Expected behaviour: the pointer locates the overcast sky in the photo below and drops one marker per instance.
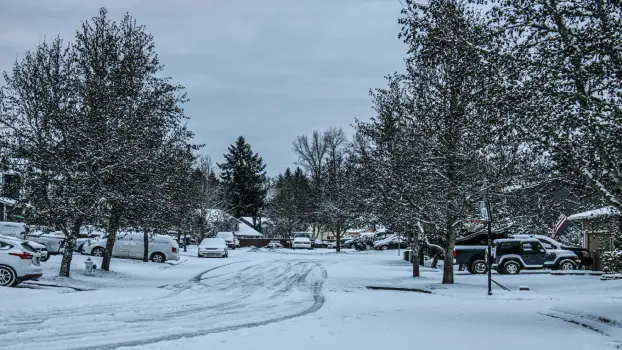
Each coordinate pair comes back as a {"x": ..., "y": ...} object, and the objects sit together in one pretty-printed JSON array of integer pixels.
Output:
[{"x": 265, "y": 69}]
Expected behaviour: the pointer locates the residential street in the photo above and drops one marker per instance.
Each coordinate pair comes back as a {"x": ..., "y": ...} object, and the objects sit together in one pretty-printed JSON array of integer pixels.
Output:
[{"x": 317, "y": 299}]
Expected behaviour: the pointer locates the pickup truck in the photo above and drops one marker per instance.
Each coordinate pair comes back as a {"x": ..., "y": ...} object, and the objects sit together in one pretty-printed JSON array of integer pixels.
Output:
[{"x": 471, "y": 256}]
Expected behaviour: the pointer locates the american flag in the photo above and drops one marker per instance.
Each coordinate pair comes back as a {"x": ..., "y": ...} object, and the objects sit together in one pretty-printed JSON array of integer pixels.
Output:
[{"x": 558, "y": 225}]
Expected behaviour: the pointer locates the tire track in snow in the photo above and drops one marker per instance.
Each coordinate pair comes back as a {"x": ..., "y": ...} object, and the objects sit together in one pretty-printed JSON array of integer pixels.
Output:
[{"x": 269, "y": 292}]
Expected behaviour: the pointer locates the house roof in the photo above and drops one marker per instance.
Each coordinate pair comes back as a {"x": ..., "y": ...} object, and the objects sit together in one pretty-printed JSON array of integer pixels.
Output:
[
  {"x": 7, "y": 201},
  {"x": 246, "y": 230},
  {"x": 592, "y": 214}
]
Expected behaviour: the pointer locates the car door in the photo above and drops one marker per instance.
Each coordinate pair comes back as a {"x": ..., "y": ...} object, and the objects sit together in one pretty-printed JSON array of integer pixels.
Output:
[
  {"x": 121, "y": 246},
  {"x": 137, "y": 247},
  {"x": 533, "y": 254}
]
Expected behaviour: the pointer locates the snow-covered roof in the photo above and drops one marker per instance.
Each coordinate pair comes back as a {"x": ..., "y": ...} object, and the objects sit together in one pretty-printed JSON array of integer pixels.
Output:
[
  {"x": 606, "y": 211},
  {"x": 250, "y": 219},
  {"x": 7, "y": 201},
  {"x": 245, "y": 230}
]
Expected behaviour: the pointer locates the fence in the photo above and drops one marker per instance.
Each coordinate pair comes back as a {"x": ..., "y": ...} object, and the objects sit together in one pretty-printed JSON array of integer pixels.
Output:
[{"x": 261, "y": 242}]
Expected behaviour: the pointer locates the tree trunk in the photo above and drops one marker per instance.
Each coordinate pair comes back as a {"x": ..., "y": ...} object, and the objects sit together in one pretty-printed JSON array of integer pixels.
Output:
[
  {"x": 448, "y": 260},
  {"x": 338, "y": 238},
  {"x": 70, "y": 243},
  {"x": 421, "y": 256},
  {"x": 146, "y": 245},
  {"x": 415, "y": 256},
  {"x": 113, "y": 227}
]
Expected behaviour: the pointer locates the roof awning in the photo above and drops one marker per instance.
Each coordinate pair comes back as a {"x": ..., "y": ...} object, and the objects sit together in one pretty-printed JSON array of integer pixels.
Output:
[{"x": 592, "y": 214}]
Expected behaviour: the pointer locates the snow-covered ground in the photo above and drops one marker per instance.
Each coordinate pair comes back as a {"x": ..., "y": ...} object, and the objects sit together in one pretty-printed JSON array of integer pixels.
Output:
[{"x": 304, "y": 300}]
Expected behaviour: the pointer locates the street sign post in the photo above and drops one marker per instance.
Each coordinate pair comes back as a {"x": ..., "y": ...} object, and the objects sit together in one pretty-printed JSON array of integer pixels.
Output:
[{"x": 484, "y": 212}]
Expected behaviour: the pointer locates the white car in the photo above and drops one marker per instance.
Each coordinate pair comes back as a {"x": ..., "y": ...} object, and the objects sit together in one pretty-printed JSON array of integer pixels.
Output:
[
  {"x": 274, "y": 244},
  {"x": 302, "y": 243},
  {"x": 229, "y": 237},
  {"x": 18, "y": 262},
  {"x": 47, "y": 243},
  {"x": 132, "y": 245},
  {"x": 213, "y": 248},
  {"x": 34, "y": 246}
]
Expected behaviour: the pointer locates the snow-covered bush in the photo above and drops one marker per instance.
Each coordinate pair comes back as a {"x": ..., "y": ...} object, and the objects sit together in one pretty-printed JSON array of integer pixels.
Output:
[{"x": 612, "y": 261}]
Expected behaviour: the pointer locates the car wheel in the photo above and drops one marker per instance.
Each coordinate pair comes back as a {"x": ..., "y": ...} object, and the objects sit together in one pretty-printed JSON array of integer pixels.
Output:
[
  {"x": 7, "y": 277},
  {"x": 478, "y": 267},
  {"x": 97, "y": 251},
  {"x": 511, "y": 268},
  {"x": 47, "y": 257},
  {"x": 567, "y": 264},
  {"x": 384, "y": 247},
  {"x": 158, "y": 258}
]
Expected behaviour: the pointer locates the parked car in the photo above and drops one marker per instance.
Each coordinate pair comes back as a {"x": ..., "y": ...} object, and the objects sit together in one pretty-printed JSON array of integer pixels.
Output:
[
  {"x": 229, "y": 237},
  {"x": 392, "y": 242},
  {"x": 552, "y": 245},
  {"x": 512, "y": 255},
  {"x": 18, "y": 262},
  {"x": 131, "y": 245},
  {"x": 473, "y": 257},
  {"x": 383, "y": 235},
  {"x": 53, "y": 241},
  {"x": 346, "y": 243},
  {"x": 320, "y": 244},
  {"x": 302, "y": 243},
  {"x": 39, "y": 248},
  {"x": 274, "y": 244},
  {"x": 213, "y": 248}
]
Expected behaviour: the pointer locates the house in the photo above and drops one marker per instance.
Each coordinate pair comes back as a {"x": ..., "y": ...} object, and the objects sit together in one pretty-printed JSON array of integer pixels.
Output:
[
  {"x": 601, "y": 231},
  {"x": 246, "y": 230},
  {"x": 6, "y": 206},
  {"x": 10, "y": 191}
]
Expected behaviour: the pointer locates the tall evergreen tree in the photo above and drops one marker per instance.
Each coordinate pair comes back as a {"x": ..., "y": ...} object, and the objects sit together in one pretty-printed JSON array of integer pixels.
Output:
[
  {"x": 244, "y": 180},
  {"x": 289, "y": 206}
]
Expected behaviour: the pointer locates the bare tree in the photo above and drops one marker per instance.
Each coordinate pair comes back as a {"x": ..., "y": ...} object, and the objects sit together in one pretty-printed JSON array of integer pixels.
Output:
[{"x": 209, "y": 196}]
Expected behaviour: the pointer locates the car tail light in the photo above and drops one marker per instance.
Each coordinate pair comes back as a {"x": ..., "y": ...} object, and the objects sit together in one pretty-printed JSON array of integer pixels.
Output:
[
  {"x": 23, "y": 255},
  {"x": 174, "y": 250},
  {"x": 455, "y": 253},
  {"x": 575, "y": 258}
]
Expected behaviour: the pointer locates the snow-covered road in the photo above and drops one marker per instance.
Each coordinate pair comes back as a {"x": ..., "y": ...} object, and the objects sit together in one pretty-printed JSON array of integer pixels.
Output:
[
  {"x": 223, "y": 298},
  {"x": 259, "y": 299}
]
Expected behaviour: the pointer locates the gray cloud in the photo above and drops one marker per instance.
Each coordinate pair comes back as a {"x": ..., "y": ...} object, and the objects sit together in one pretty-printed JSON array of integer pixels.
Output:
[{"x": 268, "y": 70}]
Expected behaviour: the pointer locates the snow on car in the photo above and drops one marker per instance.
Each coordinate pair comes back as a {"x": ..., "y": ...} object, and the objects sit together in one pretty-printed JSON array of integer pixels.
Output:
[
  {"x": 229, "y": 237},
  {"x": 18, "y": 262},
  {"x": 301, "y": 243},
  {"x": 132, "y": 245},
  {"x": 213, "y": 248}
]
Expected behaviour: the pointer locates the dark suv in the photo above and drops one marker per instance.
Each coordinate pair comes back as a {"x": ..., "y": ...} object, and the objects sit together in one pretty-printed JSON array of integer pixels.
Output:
[{"x": 513, "y": 255}]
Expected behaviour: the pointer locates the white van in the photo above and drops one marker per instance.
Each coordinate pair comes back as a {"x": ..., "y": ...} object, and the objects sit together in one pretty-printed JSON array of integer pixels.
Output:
[
  {"x": 229, "y": 237},
  {"x": 13, "y": 229},
  {"x": 132, "y": 245}
]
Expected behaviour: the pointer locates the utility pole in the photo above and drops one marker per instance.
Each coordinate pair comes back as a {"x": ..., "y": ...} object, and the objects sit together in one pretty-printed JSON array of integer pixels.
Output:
[{"x": 484, "y": 209}]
